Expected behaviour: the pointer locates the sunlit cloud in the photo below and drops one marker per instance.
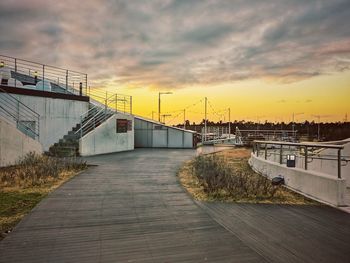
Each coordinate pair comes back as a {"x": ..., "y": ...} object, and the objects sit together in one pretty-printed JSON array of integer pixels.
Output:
[{"x": 181, "y": 43}]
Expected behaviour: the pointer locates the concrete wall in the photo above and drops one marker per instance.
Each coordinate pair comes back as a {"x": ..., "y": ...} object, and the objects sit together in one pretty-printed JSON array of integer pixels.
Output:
[
  {"x": 319, "y": 186},
  {"x": 149, "y": 134},
  {"x": 57, "y": 116},
  {"x": 15, "y": 144},
  {"x": 105, "y": 139}
]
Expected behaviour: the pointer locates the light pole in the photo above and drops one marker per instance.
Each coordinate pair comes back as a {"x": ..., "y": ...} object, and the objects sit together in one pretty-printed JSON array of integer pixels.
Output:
[
  {"x": 161, "y": 93},
  {"x": 229, "y": 123},
  {"x": 293, "y": 122}
]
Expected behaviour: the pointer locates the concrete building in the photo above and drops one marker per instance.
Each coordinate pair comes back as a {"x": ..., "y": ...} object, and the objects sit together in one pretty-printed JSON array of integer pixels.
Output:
[
  {"x": 53, "y": 113},
  {"x": 153, "y": 134}
]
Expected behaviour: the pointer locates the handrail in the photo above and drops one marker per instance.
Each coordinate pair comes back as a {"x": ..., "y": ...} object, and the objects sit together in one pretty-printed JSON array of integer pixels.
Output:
[
  {"x": 29, "y": 72},
  {"x": 257, "y": 145},
  {"x": 37, "y": 63},
  {"x": 308, "y": 144}
]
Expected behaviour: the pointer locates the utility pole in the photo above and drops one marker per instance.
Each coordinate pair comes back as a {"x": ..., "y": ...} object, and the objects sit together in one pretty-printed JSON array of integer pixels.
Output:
[
  {"x": 159, "y": 107},
  {"x": 184, "y": 119},
  {"x": 205, "y": 119},
  {"x": 229, "y": 123}
]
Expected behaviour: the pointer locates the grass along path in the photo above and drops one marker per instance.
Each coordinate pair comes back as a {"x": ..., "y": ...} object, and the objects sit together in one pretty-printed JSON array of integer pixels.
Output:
[
  {"x": 226, "y": 176},
  {"x": 24, "y": 185}
]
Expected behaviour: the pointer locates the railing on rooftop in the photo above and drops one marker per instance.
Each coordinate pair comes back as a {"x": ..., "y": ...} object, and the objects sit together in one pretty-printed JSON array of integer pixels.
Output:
[
  {"x": 305, "y": 151},
  {"x": 30, "y": 73},
  {"x": 23, "y": 117},
  {"x": 115, "y": 101}
]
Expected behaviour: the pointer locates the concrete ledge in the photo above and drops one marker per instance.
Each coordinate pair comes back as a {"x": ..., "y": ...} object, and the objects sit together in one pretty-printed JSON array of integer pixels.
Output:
[{"x": 319, "y": 186}]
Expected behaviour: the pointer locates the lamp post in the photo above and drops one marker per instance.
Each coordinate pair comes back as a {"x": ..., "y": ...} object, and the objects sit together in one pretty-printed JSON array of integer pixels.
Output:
[{"x": 161, "y": 93}]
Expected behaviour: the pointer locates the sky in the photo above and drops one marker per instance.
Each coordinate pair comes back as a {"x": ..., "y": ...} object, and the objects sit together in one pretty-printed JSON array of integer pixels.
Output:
[{"x": 265, "y": 60}]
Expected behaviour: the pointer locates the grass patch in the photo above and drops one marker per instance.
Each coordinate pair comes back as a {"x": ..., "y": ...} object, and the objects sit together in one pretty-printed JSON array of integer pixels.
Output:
[
  {"x": 227, "y": 176},
  {"x": 25, "y": 184}
]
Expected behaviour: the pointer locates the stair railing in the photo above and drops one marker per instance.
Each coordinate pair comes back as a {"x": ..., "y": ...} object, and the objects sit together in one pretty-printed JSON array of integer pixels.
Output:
[
  {"x": 95, "y": 116},
  {"x": 24, "y": 118}
]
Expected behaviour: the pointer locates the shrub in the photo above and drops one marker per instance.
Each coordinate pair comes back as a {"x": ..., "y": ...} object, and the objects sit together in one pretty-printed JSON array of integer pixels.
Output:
[
  {"x": 34, "y": 169},
  {"x": 220, "y": 178}
]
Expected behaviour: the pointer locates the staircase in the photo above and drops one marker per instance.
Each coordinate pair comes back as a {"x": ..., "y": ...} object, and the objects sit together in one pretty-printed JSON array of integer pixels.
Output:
[{"x": 68, "y": 146}]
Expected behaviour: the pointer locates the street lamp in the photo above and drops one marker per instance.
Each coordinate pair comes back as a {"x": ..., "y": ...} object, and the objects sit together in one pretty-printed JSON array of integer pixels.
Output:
[{"x": 161, "y": 93}]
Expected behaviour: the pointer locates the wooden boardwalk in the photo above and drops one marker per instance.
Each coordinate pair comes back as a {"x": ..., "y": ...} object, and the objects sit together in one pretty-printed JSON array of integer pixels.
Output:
[{"x": 131, "y": 208}]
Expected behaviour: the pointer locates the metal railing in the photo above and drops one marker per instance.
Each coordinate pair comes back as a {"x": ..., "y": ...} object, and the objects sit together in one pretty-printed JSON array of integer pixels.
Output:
[
  {"x": 30, "y": 73},
  {"x": 104, "y": 105},
  {"x": 25, "y": 119},
  {"x": 306, "y": 151},
  {"x": 114, "y": 101}
]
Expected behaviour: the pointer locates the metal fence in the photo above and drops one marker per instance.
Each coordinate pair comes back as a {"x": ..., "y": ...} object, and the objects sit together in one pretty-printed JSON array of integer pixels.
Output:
[
  {"x": 25, "y": 119},
  {"x": 37, "y": 74},
  {"x": 307, "y": 152}
]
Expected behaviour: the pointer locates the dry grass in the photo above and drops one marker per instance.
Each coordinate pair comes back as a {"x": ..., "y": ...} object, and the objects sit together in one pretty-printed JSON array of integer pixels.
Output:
[
  {"x": 23, "y": 185},
  {"x": 226, "y": 176}
]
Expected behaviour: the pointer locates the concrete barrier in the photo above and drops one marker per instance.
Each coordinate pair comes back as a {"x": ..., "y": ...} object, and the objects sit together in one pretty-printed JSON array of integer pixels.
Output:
[
  {"x": 105, "y": 139},
  {"x": 319, "y": 186},
  {"x": 14, "y": 144}
]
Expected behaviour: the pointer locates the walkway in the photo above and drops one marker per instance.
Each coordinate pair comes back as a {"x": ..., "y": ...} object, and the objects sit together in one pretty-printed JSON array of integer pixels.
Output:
[{"x": 131, "y": 208}]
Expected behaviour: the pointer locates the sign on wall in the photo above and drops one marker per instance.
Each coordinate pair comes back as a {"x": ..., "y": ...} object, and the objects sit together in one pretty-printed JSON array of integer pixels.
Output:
[
  {"x": 122, "y": 125},
  {"x": 129, "y": 125}
]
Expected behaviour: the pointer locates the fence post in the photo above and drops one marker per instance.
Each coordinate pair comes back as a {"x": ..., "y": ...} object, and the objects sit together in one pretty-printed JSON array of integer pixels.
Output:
[
  {"x": 257, "y": 149},
  {"x": 16, "y": 71},
  {"x": 265, "y": 151},
  {"x": 306, "y": 157},
  {"x": 281, "y": 154},
  {"x": 339, "y": 163}
]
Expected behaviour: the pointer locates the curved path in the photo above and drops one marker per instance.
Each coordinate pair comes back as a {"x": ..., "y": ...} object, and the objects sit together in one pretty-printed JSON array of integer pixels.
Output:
[{"x": 131, "y": 208}]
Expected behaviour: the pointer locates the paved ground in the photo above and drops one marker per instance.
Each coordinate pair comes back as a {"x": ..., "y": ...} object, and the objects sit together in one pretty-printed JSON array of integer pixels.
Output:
[{"x": 131, "y": 208}]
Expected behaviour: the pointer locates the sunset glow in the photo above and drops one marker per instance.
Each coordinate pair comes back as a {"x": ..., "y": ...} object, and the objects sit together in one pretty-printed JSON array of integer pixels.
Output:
[{"x": 263, "y": 59}]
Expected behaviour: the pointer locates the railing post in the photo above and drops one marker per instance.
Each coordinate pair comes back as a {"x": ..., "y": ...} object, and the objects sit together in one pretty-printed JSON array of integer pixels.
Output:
[
  {"x": 306, "y": 157},
  {"x": 66, "y": 81},
  {"x": 81, "y": 89},
  {"x": 130, "y": 104},
  {"x": 81, "y": 127},
  {"x": 15, "y": 71},
  {"x": 339, "y": 163},
  {"x": 43, "y": 75},
  {"x": 265, "y": 151},
  {"x": 86, "y": 86},
  {"x": 281, "y": 154}
]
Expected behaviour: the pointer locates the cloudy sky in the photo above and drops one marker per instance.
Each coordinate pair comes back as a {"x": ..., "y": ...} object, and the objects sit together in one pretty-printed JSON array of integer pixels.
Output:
[{"x": 269, "y": 58}]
